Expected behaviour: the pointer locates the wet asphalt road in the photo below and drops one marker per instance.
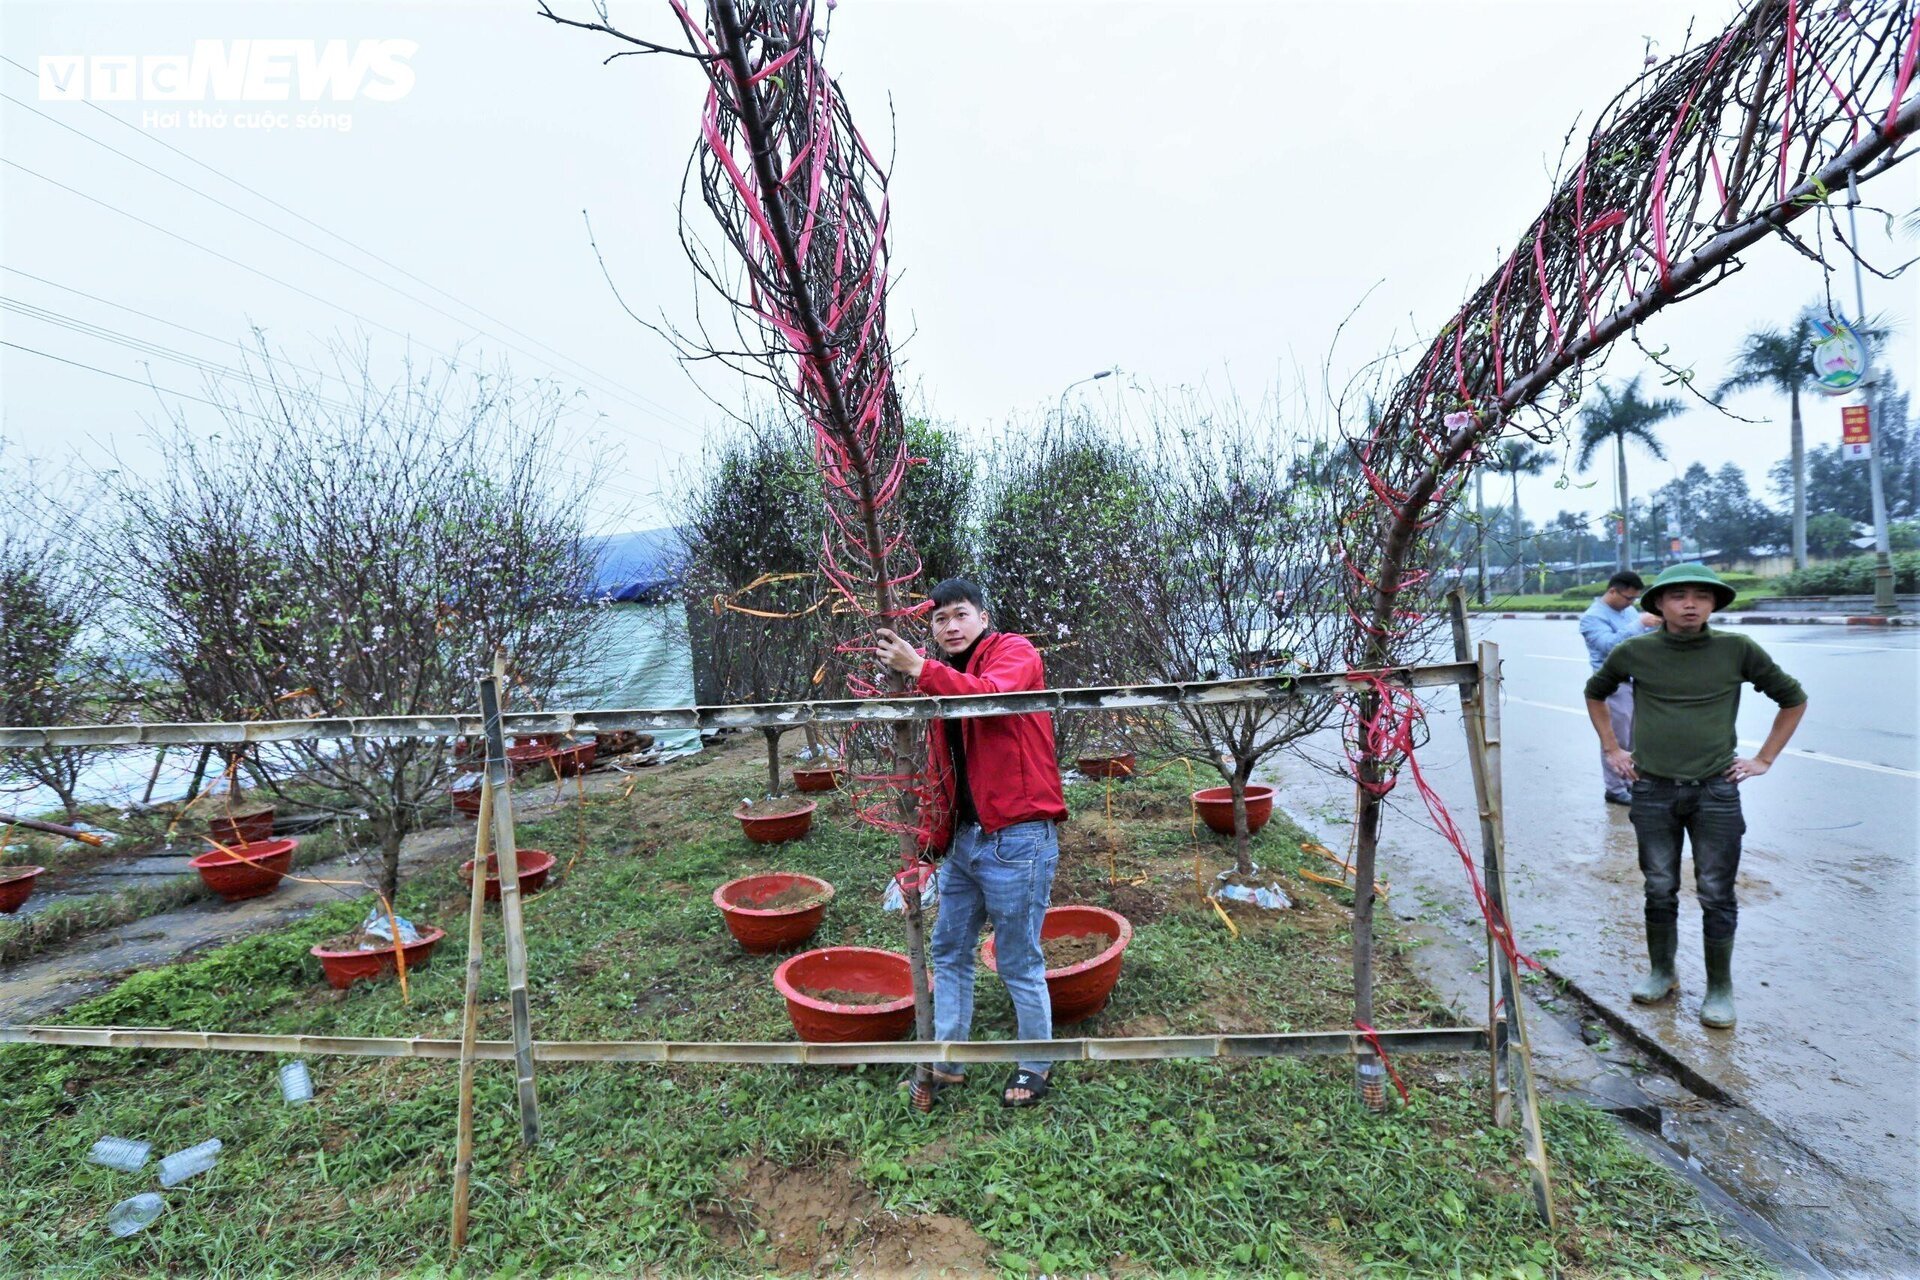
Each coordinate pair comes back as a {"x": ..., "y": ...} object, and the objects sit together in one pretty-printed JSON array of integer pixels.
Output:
[{"x": 1827, "y": 968}]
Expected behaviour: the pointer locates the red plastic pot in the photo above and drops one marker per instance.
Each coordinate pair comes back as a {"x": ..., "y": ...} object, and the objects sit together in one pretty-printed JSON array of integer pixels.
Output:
[
  {"x": 1082, "y": 989},
  {"x": 249, "y": 826},
  {"x": 863, "y": 969},
  {"x": 466, "y": 795},
  {"x": 344, "y": 968},
  {"x": 1107, "y": 766},
  {"x": 760, "y": 929},
  {"x": 250, "y": 870},
  {"x": 817, "y": 779},
  {"x": 531, "y": 757},
  {"x": 776, "y": 829},
  {"x": 16, "y": 886},
  {"x": 1216, "y": 807},
  {"x": 534, "y": 864},
  {"x": 577, "y": 758}
]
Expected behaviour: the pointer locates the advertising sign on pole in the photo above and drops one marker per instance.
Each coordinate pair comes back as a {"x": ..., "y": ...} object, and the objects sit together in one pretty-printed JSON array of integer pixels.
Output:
[{"x": 1856, "y": 433}]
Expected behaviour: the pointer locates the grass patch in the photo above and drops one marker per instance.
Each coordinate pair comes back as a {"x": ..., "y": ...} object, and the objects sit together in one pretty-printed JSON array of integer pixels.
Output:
[
  {"x": 1194, "y": 1168},
  {"x": 23, "y": 937}
]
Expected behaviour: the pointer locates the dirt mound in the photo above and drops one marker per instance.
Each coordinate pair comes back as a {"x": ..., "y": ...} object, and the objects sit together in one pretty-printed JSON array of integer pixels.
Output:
[{"x": 823, "y": 1219}]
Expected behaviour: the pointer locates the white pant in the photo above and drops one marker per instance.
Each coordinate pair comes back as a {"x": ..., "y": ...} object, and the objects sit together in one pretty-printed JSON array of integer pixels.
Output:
[{"x": 1620, "y": 708}]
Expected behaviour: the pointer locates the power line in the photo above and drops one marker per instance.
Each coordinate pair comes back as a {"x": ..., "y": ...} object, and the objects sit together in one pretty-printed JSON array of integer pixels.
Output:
[
  {"x": 102, "y": 333},
  {"x": 609, "y": 385},
  {"x": 236, "y": 409}
]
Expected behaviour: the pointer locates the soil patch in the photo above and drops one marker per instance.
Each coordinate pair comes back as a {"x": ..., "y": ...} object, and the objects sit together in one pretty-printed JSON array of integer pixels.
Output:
[
  {"x": 794, "y": 895},
  {"x": 834, "y": 995},
  {"x": 358, "y": 940},
  {"x": 822, "y": 1220},
  {"x": 777, "y": 807},
  {"x": 1061, "y": 952},
  {"x": 1137, "y": 902}
]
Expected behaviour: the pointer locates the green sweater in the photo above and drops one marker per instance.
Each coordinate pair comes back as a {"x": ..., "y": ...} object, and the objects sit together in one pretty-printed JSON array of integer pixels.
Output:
[{"x": 1686, "y": 693}]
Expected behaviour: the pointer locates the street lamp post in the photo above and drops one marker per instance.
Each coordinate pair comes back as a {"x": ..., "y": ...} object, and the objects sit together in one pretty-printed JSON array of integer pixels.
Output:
[
  {"x": 1883, "y": 601},
  {"x": 1061, "y": 411}
]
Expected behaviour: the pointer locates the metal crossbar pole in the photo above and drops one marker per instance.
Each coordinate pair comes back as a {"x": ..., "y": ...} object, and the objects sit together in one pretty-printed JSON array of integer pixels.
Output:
[
  {"x": 500, "y": 783},
  {"x": 1294, "y": 1044},
  {"x": 1253, "y": 689}
]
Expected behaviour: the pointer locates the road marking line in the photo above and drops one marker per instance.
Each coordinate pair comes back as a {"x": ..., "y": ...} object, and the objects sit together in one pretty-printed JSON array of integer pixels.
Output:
[{"x": 1820, "y": 756}]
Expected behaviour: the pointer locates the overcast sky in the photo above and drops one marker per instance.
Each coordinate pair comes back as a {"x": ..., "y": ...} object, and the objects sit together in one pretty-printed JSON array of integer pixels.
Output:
[{"x": 1196, "y": 193}]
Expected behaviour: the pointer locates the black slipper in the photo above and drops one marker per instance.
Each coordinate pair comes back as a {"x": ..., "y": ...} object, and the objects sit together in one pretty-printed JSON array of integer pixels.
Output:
[
  {"x": 1034, "y": 1082},
  {"x": 934, "y": 1086}
]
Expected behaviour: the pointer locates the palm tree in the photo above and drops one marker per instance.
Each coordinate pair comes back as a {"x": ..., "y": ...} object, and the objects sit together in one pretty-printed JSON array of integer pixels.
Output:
[
  {"x": 1782, "y": 360},
  {"x": 1516, "y": 458},
  {"x": 1618, "y": 417}
]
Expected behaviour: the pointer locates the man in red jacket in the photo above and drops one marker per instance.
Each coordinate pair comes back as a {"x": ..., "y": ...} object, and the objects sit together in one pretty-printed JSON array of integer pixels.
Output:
[{"x": 995, "y": 802}]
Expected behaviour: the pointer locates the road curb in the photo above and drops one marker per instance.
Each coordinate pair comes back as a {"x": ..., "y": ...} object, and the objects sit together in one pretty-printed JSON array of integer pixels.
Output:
[{"x": 1746, "y": 619}]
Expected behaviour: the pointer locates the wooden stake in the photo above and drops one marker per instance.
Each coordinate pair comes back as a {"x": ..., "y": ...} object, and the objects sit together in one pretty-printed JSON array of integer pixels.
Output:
[
  {"x": 1484, "y": 740},
  {"x": 470, "y": 1015},
  {"x": 500, "y": 780},
  {"x": 1499, "y": 1096}
]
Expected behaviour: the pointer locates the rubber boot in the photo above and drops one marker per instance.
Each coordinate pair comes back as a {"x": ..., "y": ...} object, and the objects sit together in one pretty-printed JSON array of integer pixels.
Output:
[
  {"x": 1663, "y": 940},
  {"x": 1717, "y": 1009}
]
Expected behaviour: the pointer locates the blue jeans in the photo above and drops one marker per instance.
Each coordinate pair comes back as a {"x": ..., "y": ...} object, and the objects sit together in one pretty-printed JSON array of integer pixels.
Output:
[
  {"x": 1006, "y": 877},
  {"x": 1708, "y": 814}
]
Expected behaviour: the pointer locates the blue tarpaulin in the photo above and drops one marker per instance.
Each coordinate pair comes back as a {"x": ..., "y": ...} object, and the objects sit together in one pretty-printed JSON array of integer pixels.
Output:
[{"x": 641, "y": 566}]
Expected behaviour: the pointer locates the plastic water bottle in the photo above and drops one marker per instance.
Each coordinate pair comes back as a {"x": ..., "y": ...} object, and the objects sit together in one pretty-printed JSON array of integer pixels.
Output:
[
  {"x": 135, "y": 1213},
  {"x": 1373, "y": 1084},
  {"x": 187, "y": 1162},
  {"x": 125, "y": 1154},
  {"x": 296, "y": 1084}
]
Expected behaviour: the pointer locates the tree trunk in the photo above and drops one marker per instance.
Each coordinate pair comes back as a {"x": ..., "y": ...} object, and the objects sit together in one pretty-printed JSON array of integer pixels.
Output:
[
  {"x": 1626, "y": 507},
  {"x": 1519, "y": 565},
  {"x": 1242, "y": 842},
  {"x": 813, "y": 743},
  {"x": 1799, "y": 448},
  {"x": 773, "y": 760},
  {"x": 1480, "y": 530},
  {"x": 390, "y": 838}
]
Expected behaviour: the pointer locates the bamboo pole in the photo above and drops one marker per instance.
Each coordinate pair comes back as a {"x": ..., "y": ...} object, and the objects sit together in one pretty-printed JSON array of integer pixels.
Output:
[
  {"x": 1499, "y": 1096},
  {"x": 916, "y": 707},
  {"x": 500, "y": 781},
  {"x": 1292, "y": 1044},
  {"x": 1520, "y": 1064},
  {"x": 470, "y": 1016}
]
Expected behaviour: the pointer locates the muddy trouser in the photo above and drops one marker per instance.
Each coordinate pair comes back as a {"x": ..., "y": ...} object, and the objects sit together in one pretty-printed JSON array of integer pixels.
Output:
[
  {"x": 1006, "y": 877},
  {"x": 1620, "y": 710},
  {"x": 1708, "y": 814}
]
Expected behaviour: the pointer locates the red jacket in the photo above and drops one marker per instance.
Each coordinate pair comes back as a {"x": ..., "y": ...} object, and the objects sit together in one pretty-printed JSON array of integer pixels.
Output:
[{"x": 1011, "y": 768}]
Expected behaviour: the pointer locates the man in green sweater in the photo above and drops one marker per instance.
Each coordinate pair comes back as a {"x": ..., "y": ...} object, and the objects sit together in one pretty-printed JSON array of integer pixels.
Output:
[{"x": 1684, "y": 772}]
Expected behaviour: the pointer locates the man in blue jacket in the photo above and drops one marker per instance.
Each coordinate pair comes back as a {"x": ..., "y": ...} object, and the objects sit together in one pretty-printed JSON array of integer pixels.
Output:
[{"x": 1610, "y": 619}]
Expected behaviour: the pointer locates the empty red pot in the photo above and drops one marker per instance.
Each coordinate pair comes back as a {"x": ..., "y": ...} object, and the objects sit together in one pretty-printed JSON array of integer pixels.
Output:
[
  {"x": 577, "y": 758},
  {"x": 466, "y": 795},
  {"x": 243, "y": 827},
  {"x": 862, "y": 969},
  {"x": 250, "y": 870},
  {"x": 1106, "y": 766},
  {"x": 777, "y": 828},
  {"x": 344, "y": 968},
  {"x": 817, "y": 779},
  {"x": 531, "y": 758},
  {"x": 534, "y": 866},
  {"x": 761, "y": 929},
  {"x": 1216, "y": 807},
  {"x": 1082, "y": 989},
  {"x": 16, "y": 886}
]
